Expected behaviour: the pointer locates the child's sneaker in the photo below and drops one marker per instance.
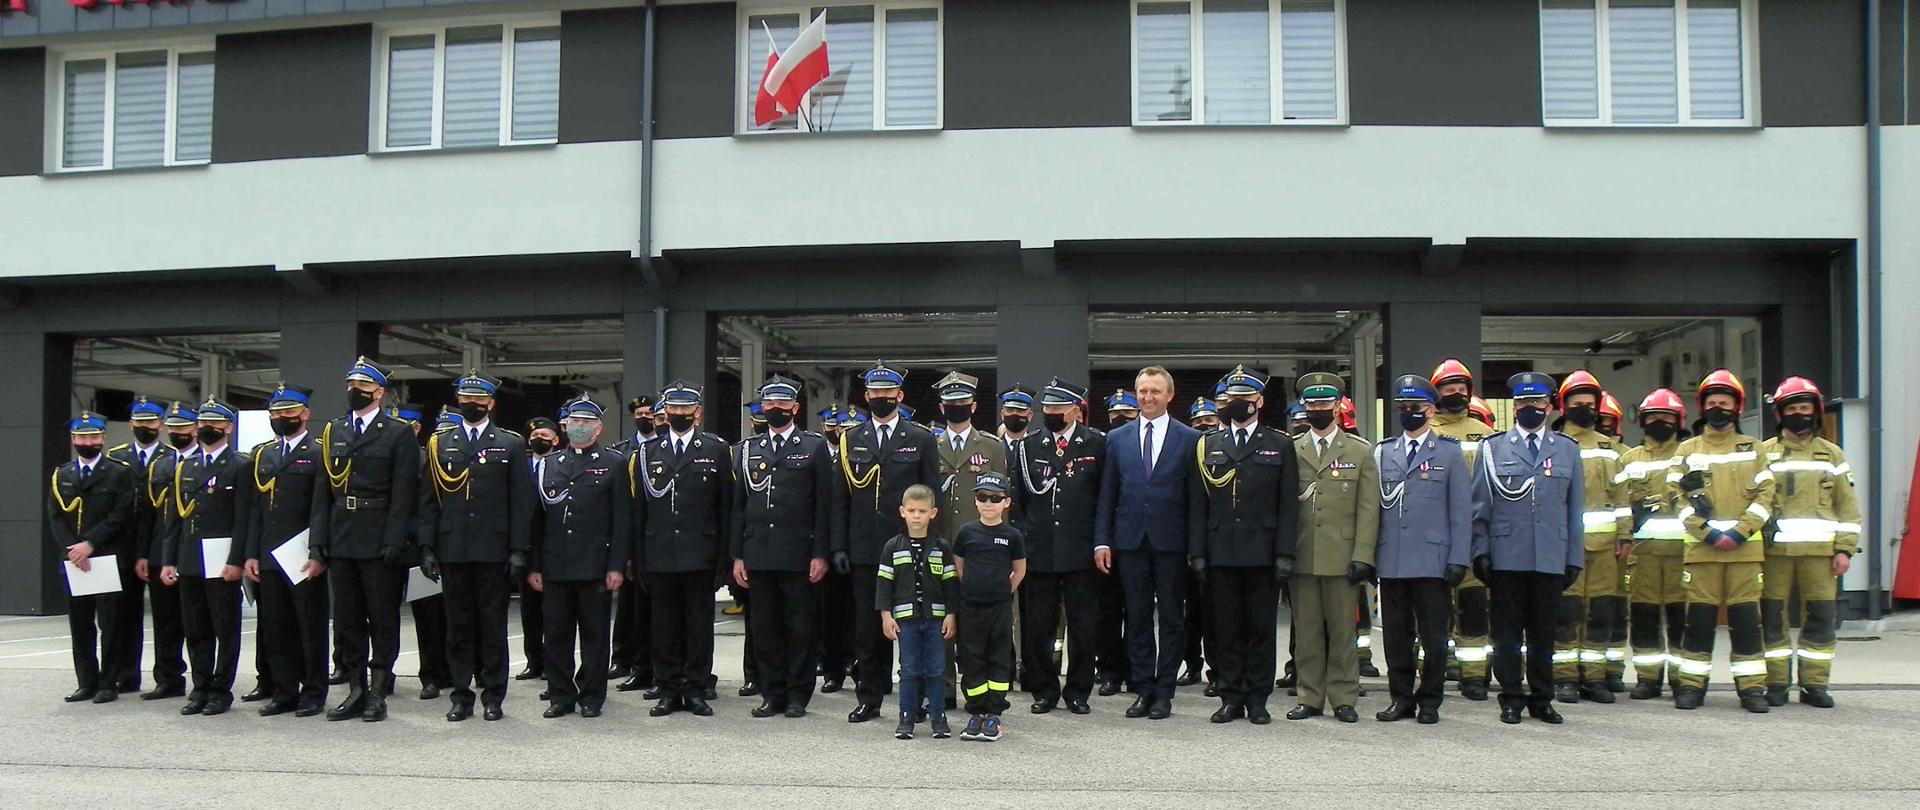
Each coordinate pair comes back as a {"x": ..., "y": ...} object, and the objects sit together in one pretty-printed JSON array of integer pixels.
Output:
[
  {"x": 972, "y": 731},
  {"x": 990, "y": 729},
  {"x": 904, "y": 731},
  {"x": 940, "y": 729}
]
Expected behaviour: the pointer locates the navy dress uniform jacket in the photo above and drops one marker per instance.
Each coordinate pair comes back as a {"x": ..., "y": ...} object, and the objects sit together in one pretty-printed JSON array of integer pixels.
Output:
[
  {"x": 586, "y": 528},
  {"x": 872, "y": 512},
  {"x": 363, "y": 500},
  {"x": 477, "y": 504},
  {"x": 683, "y": 529},
  {"x": 1057, "y": 490},
  {"x": 783, "y": 502}
]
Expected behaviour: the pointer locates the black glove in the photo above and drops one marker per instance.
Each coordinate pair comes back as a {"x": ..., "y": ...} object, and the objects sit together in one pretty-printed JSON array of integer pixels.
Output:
[
  {"x": 390, "y": 555},
  {"x": 1198, "y": 565},
  {"x": 1455, "y": 575},
  {"x": 429, "y": 564},
  {"x": 1358, "y": 572},
  {"x": 1573, "y": 573},
  {"x": 841, "y": 563},
  {"x": 1702, "y": 505},
  {"x": 1283, "y": 567},
  {"x": 1483, "y": 567},
  {"x": 1693, "y": 481},
  {"x": 517, "y": 565}
]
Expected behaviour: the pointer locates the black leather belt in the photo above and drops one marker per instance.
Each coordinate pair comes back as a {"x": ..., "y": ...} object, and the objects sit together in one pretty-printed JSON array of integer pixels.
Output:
[{"x": 356, "y": 503}]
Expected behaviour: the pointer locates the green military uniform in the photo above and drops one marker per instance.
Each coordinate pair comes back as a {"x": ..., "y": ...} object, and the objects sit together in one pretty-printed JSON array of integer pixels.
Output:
[
  {"x": 1654, "y": 589},
  {"x": 1470, "y": 642},
  {"x": 1339, "y": 526},
  {"x": 961, "y": 466},
  {"x": 1815, "y": 517},
  {"x": 1593, "y": 603},
  {"x": 1725, "y": 473}
]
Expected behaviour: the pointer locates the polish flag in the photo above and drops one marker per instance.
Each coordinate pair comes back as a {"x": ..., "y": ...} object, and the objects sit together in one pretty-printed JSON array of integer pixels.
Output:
[{"x": 783, "y": 88}]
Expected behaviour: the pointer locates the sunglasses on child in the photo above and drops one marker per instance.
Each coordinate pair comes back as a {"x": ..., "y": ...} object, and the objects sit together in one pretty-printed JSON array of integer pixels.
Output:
[{"x": 988, "y": 497}]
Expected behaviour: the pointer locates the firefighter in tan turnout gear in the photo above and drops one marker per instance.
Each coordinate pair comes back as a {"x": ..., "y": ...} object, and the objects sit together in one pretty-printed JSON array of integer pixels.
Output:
[
  {"x": 1456, "y": 420},
  {"x": 1593, "y": 603},
  {"x": 1814, "y": 535},
  {"x": 1654, "y": 591}
]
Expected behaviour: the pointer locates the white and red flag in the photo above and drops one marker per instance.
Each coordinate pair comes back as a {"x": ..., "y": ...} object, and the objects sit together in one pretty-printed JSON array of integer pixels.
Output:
[{"x": 790, "y": 74}]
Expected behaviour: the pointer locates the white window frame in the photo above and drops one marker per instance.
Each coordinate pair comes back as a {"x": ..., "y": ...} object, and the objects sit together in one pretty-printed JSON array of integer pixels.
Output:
[
  {"x": 509, "y": 26},
  {"x": 1749, "y": 73},
  {"x": 57, "y": 112},
  {"x": 750, "y": 50},
  {"x": 1275, "y": 89}
]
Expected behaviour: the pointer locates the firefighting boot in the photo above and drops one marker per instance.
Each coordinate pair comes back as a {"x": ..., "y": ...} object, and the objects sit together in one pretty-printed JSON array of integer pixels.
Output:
[
  {"x": 1776, "y": 696},
  {"x": 1816, "y": 696},
  {"x": 1473, "y": 688},
  {"x": 1645, "y": 690},
  {"x": 1754, "y": 700},
  {"x": 1688, "y": 698},
  {"x": 1566, "y": 692}
]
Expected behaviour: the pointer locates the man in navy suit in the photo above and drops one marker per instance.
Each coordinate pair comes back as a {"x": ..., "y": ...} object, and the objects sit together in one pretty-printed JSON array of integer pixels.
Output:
[{"x": 1140, "y": 526}]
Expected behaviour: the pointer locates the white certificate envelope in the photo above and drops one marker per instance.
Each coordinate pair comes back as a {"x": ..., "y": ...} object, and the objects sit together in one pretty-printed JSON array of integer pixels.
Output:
[
  {"x": 103, "y": 578},
  {"x": 418, "y": 586},
  {"x": 292, "y": 557},
  {"x": 213, "y": 552}
]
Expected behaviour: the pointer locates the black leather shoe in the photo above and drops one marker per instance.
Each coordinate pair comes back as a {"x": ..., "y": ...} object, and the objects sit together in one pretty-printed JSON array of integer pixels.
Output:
[
  {"x": 1109, "y": 688},
  {"x": 1688, "y": 698},
  {"x": 1212, "y": 690},
  {"x": 82, "y": 694},
  {"x": 1816, "y": 696},
  {"x": 652, "y": 693},
  {"x": 616, "y": 672},
  {"x": 546, "y": 695},
  {"x": 589, "y": 712},
  {"x": 1284, "y": 681},
  {"x": 1776, "y": 696},
  {"x": 1596, "y": 693},
  {"x": 528, "y": 674},
  {"x": 1078, "y": 706},
  {"x": 492, "y": 711},
  {"x": 430, "y": 691},
  {"x": 337, "y": 677},
  {"x": 1754, "y": 701},
  {"x": 833, "y": 684},
  {"x": 1188, "y": 678},
  {"x": 1043, "y": 706},
  {"x": 1368, "y": 670},
  {"x": 633, "y": 684},
  {"x": 351, "y": 706},
  {"x": 795, "y": 711},
  {"x": 106, "y": 696},
  {"x": 376, "y": 709},
  {"x": 557, "y": 710},
  {"x": 217, "y": 706},
  {"x": 1510, "y": 715},
  {"x": 661, "y": 709},
  {"x": 710, "y": 691},
  {"x": 461, "y": 710},
  {"x": 1227, "y": 714},
  {"x": 1474, "y": 688},
  {"x": 258, "y": 694},
  {"x": 1346, "y": 714},
  {"x": 1428, "y": 716},
  {"x": 1546, "y": 714},
  {"x": 1258, "y": 715},
  {"x": 767, "y": 710},
  {"x": 1645, "y": 690},
  {"x": 1566, "y": 692},
  {"x": 308, "y": 710},
  {"x": 748, "y": 689},
  {"x": 163, "y": 692},
  {"x": 1161, "y": 710},
  {"x": 275, "y": 707},
  {"x": 1396, "y": 711},
  {"x": 1303, "y": 711},
  {"x": 698, "y": 706},
  {"x": 862, "y": 713},
  {"x": 1139, "y": 708}
]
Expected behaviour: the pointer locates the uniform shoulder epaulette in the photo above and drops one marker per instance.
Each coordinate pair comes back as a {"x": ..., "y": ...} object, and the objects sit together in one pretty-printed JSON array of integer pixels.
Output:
[
  {"x": 510, "y": 432},
  {"x": 119, "y": 461},
  {"x": 263, "y": 445},
  {"x": 1361, "y": 439},
  {"x": 815, "y": 435},
  {"x": 1445, "y": 438},
  {"x": 439, "y": 430},
  {"x": 1094, "y": 431},
  {"x": 118, "y": 447}
]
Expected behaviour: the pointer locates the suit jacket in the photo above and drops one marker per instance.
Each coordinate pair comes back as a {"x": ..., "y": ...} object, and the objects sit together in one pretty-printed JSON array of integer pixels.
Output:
[
  {"x": 271, "y": 517},
  {"x": 871, "y": 513},
  {"x": 684, "y": 529},
  {"x": 477, "y": 503},
  {"x": 1249, "y": 520},
  {"x": 381, "y": 466},
  {"x": 97, "y": 510},
  {"x": 146, "y": 513},
  {"x": 586, "y": 526},
  {"x": 1340, "y": 505},
  {"x": 206, "y": 498},
  {"x": 1142, "y": 511},
  {"x": 1528, "y": 513},
  {"x": 783, "y": 502},
  {"x": 959, "y": 470},
  {"x": 1429, "y": 525},
  {"x": 1057, "y": 489}
]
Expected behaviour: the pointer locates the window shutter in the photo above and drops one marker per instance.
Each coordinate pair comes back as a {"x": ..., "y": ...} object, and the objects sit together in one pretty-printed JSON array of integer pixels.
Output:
[
  {"x": 1239, "y": 69},
  {"x": 1570, "y": 59},
  {"x": 536, "y": 84},
  {"x": 1714, "y": 60},
  {"x": 1164, "y": 62},
  {"x": 913, "y": 53},
  {"x": 1641, "y": 50},
  {"x": 470, "y": 91},
  {"x": 83, "y": 130},
  {"x": 140, "y": 109},
  {"x": 844, "y": 100},
  {"x": 410, "y": 91},
  {"x": 193, "y": 108},
  {"x": 1309, "y": 72}
]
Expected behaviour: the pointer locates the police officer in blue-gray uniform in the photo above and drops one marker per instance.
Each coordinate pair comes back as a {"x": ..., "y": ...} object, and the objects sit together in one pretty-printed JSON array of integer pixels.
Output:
[
  {"x": 1426, "y": 543},
  {"x": 1528, "y": 541}
]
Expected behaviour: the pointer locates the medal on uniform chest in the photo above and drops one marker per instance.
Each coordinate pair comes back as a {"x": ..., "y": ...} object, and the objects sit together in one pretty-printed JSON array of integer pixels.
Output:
[
  {"x": 1549, "y": 468},
  {"x": 1423, "y": 470},
  {"x": 976, "y": 463}
]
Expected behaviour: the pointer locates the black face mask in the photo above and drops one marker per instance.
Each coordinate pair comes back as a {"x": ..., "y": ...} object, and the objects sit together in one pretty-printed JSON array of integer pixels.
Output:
[
  {"x": 1237, "y": 411},
  {"x": 1660, "y": 431},
  {"x": 145, "y": 435},
  {"x": 1721, "y": 417},
  {"x": 1320, "y": 419},
  {"x": 1411, "y": 421},
  {"x": 1801, "y": 423},
  {"x": 210, "y": 436},
  {"x": 472, "y": 411},
  {"x": 956, "y": 414},
  {"x": 644, "y": 424},
  {"x": 779, "y": 419},
  {"x": 358, "y": 401},
  {"x": 180, "y": 441},
  {"x": 285, "y": 427},
  {"x": 87, "y": 451},
  {"x": 1120, "y": 419},
  {"x": 1454, "y": 403},
  {"x": 680, "y": 422},
  {"x": 541, "y": 446},
  {"x": 759, "y": 429},
  {"x": 1530, "y": 418},
  {"x": 882, "y": 408},
  {"x": 1055, "y": 422},
  {"x": 1584, "y": 416},
  {"x": 1015, "y": 424}
]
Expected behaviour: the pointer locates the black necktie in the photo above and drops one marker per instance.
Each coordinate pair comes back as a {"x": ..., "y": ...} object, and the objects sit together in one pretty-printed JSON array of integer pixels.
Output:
[
  {"x": 1413, "y": 449},
  {"x": 86, "y": 473},
  {"x": 886, "y": 434},
  {"x": 1533, "y": 446},
  {"x": 1240, "y": 438},
  {"x": 679, "y": 447},
  {"x": 1146, "y": 448}
]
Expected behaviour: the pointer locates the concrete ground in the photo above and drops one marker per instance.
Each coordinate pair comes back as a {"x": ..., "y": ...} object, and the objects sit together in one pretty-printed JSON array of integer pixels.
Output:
[{"x": 54, "y": 754}]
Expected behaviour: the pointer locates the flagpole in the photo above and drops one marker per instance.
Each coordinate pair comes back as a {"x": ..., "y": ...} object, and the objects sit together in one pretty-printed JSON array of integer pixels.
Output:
[{"x": 773, "y": 47}]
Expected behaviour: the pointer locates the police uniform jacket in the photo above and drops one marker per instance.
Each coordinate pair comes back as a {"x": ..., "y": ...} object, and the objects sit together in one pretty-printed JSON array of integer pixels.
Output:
[
  {"x": 477, "y": 504},
  {"x": 206, "y": 499},
  {"x": 871, "y": 503},
  {"x": 1246, "y": 499},
  {"x": 274, "y": 497},
  {"x": 958, "y": 471},
  {"x": 1057, "y": 487},
  {"x": 1426, "y": 508},
  {"x": 1527, "y": 513},
  {"x": 585, "y": 529},
  {"x": 683, "y": 527},
  {"x": 783, "y": 502},
  {"x": 96, "y": 510},
  {"x": 363, "y": 500},
  {"x": 1339, "y": 505}
]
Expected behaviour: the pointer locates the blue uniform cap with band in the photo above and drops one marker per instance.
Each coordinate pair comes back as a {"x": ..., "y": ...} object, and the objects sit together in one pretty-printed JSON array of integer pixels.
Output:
[
  {"x": 883, "y": 377},
  {"x": 87, "y": 423},
  {"x": 1240, "y": 382},
  {"x": 1123, "y": 401},
  {"x": 410, "y": 411},
  {"x": 477, "y": 384},
  {"x": 214, "y": 410},
  {"x": 287, "y": 397},
  {"x": 830, "y": 415},
  {"x": 852, "y": 417},
  {"x": 779, "y": 389},
  {"x": 449, "y": 418},
  {"x": 365, "y": 370},
  {"x": 991, "y": 482},
  {"x": 755, "y": 413},
  {"x": 906, "y": 411},
  {"x": 1203, "y": 406},
  {"x": 680, "y": 392},
  {"x": 144, "y": 410},
  {"x": 1414, "y": 388},
  {"x": 1320, "y": 386},
  {"x": 955, "y": 387},
  {"x": 583, "y": 407},
  {"x": 1530, "y": 385},
  {"x": 1061, "y": 392},
  {"x": 179, "y": 415},
  {"x": 1016, "y": 398},
  {"x": 1296, "y": 411}
]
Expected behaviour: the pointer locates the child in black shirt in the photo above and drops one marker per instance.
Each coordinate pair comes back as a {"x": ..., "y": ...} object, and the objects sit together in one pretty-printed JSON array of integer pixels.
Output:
[{"x": 992, "y": 557}]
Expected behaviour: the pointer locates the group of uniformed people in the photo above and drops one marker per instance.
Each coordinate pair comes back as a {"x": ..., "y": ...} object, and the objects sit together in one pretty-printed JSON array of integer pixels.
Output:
[{"x": 1550, "y": 551}]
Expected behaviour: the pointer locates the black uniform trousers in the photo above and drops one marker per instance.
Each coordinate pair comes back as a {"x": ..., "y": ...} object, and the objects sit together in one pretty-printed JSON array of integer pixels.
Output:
[
  {"x": 366, "y": 619},
  {"x": 572, "y": 608},
  {"x": 633, "y": 629},
  {"x": 293, "y": 633},
  {"x": 872, "y": 652},
  {"x": 749, "y": 655},
  {"x": 1199, "y": 627},
  {"x": 986, "y": 654},
  {"x": 169, "y": 636},
  {"x": 1110, "y": 644},
  {"x": 1410, "y": 610},
  {"x": 682, "y": 612},
  {"x": 1043, "y": 595},
  {"x": 533, "y": 625},
  {"x": 93, "y": 654},
  {"x": 262, "y": 662},
  {"x": 1245, "y": 609},
  {"x": 781, "y": 618},
  {"x": 129, "y": 620},
  {"x": 210, "y": 611},
  {"x": 476, "y": 596},
  {"x": 430, "y": 633},
  {"x": 1524, "y": 604},
  {"x": 833, "y": 645},
  {"x": 1155, "y": 586}
]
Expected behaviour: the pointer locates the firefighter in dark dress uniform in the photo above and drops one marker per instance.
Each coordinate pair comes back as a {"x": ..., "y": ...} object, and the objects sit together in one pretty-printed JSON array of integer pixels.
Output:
[
  {"x": 682, "y": 494},
  {"x": 1056, "y": 487},
  {"x": 580, "y": 556},
  {"x": 206, "y": 486},
  {"x": 278, "y": 505},
  {"x": 90, "y": 513}
]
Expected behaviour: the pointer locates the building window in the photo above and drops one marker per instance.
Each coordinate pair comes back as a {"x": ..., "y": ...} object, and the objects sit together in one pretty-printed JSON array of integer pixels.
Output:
[
  {"x": 1646, "y": 62},
  {"x": 884, "y": 62},
  {"x": 1239, "y": 62},
  {"x": 134, "y": 109},
  {"x": 468, "y": 86}
]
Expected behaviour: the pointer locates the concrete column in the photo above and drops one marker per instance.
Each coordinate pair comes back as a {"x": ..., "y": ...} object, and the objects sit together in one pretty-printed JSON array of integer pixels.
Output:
[
  {"x": 1041, "y": 326},
  {"x": 35, "y": 405},
  {"x": 1796, "y": 340},
  {"x": 641, "y": 366},
  {"x": 317, "y": 355},
  {"x": 1421, "y": 334},
  {"x": 691, "y": 337}
]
